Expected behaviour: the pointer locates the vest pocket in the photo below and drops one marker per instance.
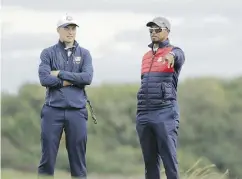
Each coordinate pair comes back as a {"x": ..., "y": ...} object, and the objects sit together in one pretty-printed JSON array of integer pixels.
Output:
[{"x": 167, "y": 90}]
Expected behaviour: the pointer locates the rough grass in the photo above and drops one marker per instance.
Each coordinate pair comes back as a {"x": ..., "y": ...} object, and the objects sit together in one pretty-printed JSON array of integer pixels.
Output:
[
  {"x": 197, "y": 174},
  {"x": 193, "y": 173},
  {"x": 203, "y": 173}
]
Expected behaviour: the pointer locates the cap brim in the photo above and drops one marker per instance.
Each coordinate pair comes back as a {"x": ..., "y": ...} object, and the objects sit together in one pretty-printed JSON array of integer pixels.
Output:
[
  {"x": 151, "y": 23},
  {"x": 64, "y": 25}
]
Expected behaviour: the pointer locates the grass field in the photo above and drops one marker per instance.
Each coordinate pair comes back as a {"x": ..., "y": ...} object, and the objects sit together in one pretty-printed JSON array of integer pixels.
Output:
[
  {"x": 200, "y": 173},
  {"x": 11, "y": 174}
]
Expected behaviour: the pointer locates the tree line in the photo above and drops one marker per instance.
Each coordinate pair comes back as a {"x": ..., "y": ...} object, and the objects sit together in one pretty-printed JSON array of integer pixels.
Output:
[{"x": 210, "y": 127}]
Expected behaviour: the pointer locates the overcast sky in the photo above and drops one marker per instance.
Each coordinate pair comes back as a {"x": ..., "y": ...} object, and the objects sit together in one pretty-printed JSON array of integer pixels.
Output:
[{"x": 209, "y": 32}]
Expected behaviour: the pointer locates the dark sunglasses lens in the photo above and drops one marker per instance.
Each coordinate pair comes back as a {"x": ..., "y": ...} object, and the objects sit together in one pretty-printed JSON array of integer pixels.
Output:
[{"x": 156, "y": 30}]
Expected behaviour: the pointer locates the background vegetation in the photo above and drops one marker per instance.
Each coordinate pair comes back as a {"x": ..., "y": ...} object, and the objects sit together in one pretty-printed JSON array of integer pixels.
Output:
[{"x": 210, "y": 129}]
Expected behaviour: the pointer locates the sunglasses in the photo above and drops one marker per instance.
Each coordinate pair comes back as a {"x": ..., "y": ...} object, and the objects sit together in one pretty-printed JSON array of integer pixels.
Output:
[{"x": 156, "y": 30}]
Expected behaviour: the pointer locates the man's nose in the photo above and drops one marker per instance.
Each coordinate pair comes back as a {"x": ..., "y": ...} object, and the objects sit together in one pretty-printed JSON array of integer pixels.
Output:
[
  {"x": 70, "y": 31},
  {"x": 153, "y": 33}
]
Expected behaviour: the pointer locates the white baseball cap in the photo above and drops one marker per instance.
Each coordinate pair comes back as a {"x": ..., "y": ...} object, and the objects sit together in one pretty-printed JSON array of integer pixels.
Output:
[{"x": 66, "y": 20}]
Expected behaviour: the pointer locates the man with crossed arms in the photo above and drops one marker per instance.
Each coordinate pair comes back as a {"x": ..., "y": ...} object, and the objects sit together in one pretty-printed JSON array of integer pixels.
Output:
[{"x": 65, "y": 69}]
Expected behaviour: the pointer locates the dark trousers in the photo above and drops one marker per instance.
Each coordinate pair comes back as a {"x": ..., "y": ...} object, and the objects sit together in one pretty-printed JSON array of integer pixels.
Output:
[
  {"x": 73, "y": 122},
  {"x": 157, "y": 132}
]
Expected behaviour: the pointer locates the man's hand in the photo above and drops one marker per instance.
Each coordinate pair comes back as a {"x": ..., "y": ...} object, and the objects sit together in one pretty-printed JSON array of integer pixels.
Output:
[
  {"x": 66, "y": 83},
  {"x": 55, "y": 73},
  {"x": 169, "y": 58}
]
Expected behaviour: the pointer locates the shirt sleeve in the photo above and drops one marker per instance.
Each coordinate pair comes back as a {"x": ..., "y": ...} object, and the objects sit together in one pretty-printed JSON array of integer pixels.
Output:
[
  {"x": 45, "y": 77},
  {"x": 179, "y": 57}
]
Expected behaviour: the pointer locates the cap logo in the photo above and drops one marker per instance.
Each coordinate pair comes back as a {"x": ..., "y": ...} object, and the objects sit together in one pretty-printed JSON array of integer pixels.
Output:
[{"x": 69, "y": 18}]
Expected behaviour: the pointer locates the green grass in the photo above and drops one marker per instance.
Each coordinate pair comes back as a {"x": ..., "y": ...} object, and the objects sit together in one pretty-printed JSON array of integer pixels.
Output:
[
  {"x": 193, "y": 173},
  {"x": 12, "y": 174},
  {"x": 197, "y": 174}
]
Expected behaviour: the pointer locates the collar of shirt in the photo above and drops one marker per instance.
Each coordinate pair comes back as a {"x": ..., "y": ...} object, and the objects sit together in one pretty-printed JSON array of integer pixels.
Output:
[
  {"x": 62, "y": 44},
  {"x": 161, "y": 44}
]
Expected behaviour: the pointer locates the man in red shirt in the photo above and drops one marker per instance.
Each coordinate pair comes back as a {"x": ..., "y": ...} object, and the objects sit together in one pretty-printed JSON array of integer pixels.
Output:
[{"x": 158, "y": 115}]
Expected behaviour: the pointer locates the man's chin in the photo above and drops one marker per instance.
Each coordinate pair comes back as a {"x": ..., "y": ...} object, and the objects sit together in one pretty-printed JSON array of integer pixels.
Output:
[
  {"x": 155, "y": 41},
  {"x": 69, "y": 41}
]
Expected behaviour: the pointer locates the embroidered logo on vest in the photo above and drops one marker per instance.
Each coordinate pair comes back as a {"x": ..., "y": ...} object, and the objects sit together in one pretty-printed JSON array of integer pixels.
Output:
[
  {"x": 159, "y": 59},
  {"x": 77, "y": 60}
]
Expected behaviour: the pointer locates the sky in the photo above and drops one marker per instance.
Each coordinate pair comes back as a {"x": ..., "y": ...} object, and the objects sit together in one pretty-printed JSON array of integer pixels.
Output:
[{"x": 208, "y": 31}]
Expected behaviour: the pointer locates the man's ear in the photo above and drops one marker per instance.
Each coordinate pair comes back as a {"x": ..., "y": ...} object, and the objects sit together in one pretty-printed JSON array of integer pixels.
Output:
[
  {"x": 58, "y": 29},
  {"x": 167, "y": 33}
]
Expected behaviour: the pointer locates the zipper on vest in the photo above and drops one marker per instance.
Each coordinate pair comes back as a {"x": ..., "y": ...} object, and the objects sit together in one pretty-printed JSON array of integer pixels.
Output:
[{"x": 147, "y": 86}]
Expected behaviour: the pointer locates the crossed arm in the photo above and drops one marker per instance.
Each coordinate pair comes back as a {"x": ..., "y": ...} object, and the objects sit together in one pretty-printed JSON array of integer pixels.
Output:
[{"x": 58, "y": 79}]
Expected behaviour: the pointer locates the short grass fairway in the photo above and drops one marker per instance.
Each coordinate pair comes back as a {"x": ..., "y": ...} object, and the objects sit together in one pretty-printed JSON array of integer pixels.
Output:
[
  {"x": 12, "y": 174},
  {"x": 197, "y": 174}
]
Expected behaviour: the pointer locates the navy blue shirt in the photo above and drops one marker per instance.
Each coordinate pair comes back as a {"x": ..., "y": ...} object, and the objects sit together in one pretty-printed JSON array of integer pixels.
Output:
[{"x": 75, "y": 66}]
